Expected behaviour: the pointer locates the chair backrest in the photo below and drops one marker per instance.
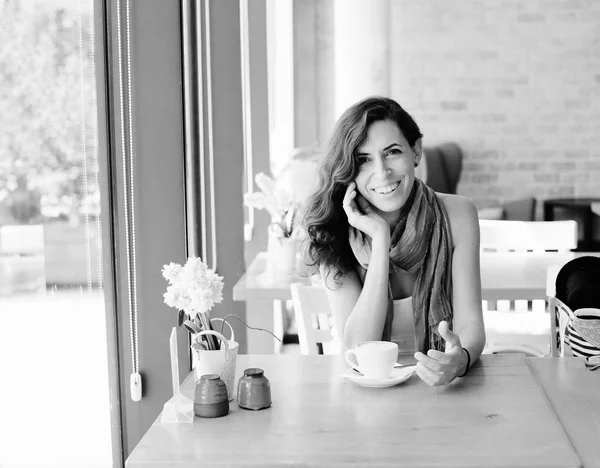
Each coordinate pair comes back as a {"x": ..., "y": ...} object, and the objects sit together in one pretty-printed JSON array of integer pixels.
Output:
[
  {"x": 313, "y": 316},
  {"x": 523, "y": 236},
  {"x": 521, "y": 209},
  {"x": 444, "y": 167}
]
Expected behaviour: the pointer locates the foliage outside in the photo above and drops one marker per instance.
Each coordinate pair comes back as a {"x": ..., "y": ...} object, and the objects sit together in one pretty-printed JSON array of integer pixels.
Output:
[{"x": 48, "y": 164}]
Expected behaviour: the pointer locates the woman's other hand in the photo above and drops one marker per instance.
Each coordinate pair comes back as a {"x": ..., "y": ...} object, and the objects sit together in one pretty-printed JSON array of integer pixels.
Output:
[
  {"x": 361, "y": 215},
  {"x": 437, "y": 368}
]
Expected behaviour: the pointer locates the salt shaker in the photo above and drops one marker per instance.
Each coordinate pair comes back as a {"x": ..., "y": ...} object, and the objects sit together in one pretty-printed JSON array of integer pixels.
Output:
[
  {"x": 210, "y": 397},
  {"x": 254, "y": 390}
]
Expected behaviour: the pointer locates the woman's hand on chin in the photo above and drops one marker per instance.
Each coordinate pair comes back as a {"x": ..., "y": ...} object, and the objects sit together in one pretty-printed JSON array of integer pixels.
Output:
[
  {"x": 437, "y": 368},
  {"x": 361, "y": 215}
]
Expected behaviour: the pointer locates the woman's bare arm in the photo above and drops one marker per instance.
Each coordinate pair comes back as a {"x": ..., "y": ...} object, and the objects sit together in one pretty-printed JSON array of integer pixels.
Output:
[
  {"x": 466, "y": 275},
  {"x": 359, "y": 311},
  {"x": 437, "y": 368}
]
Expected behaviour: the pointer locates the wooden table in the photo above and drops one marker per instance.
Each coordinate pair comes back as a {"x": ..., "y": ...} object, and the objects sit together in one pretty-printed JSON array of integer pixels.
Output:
[
  {"x": 503, "y": 276},
  {"x": 574, "y": 393},
  {"x": 496, "y": 416}
]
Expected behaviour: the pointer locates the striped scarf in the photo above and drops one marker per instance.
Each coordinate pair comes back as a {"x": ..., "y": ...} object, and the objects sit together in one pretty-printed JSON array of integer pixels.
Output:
[{"x": 420, "y": 243}]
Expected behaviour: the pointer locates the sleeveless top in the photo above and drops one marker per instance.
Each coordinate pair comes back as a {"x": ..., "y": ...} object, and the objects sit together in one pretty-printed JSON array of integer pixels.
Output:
[{"x": 403, "y": 326}]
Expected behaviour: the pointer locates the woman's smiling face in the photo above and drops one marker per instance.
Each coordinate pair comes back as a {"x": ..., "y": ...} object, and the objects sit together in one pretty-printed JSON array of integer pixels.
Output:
[{"x": 386, "y": 168}]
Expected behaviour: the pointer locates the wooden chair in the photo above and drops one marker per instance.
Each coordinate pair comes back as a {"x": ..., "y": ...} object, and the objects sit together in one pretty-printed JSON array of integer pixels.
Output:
[
  {"x": 522, "y": 326},
  {"x": 313, "y": 319}
]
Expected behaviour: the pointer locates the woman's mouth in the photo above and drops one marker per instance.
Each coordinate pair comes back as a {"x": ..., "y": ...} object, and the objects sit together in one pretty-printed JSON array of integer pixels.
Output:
[{"x": 386, "y": 189}]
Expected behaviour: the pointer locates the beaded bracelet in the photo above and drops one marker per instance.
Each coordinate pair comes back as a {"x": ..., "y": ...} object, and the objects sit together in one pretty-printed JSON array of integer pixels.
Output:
[{"x": 468, "y": 362}]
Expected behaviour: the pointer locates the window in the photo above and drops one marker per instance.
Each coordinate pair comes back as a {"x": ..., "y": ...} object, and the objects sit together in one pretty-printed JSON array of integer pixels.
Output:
[{"x": 52, "y": 301}]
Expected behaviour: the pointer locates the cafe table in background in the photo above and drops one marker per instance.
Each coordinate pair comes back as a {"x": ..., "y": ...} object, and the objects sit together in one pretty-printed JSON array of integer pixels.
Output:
[
  {"x": 509, "y": 276},
  {"x": 501, "y": 414}
]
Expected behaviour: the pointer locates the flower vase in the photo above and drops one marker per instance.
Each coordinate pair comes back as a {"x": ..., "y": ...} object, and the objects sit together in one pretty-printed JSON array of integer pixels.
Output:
[
  {"x": 281, "y": 255},
  {"x": 221, "y": 362}
]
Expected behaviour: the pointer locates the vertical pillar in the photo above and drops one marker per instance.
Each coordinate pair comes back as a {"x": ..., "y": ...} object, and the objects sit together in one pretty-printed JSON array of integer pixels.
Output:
[
  {"x": 280, "y": 50},
  {"x": 305, "y": 73},
  {"x": 362, "y": 50}
]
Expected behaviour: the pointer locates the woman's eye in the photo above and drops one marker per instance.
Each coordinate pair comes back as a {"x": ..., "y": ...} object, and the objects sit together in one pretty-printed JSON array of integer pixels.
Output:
[
  {"x": 394, "y": 152},
  {"x": 362, "y": 160}
]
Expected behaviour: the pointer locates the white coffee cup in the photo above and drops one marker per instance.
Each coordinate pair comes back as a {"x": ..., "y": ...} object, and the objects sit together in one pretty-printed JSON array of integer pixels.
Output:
[{"x": 373, "y": 359}]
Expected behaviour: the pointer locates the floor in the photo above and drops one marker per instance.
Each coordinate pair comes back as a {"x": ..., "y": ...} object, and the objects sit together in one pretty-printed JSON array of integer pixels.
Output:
[
  {"x": 54, "y": 405},
  {"x": 54, "y": 409}
]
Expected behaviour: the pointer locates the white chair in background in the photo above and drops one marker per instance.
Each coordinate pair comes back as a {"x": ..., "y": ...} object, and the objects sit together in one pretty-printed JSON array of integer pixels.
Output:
[
  {"x": 559, "y": 315},
  {"x": 514, "y": 327},
  {"x": 313, "y": 319},
  {"x": 527, "y": 236}
]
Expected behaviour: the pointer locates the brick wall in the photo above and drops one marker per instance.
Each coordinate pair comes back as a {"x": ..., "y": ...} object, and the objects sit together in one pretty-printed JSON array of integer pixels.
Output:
[{"x": 515, "y": 83}]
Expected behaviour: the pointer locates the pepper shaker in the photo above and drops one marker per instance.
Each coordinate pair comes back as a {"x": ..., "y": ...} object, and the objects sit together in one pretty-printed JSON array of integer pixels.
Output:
[
  {"x": 254, "y": 390},
  {"x": 210, "y": 397}
]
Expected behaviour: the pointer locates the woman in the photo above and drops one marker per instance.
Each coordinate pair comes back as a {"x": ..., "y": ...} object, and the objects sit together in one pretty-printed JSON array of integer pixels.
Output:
[{"x": 400, "y": 262}]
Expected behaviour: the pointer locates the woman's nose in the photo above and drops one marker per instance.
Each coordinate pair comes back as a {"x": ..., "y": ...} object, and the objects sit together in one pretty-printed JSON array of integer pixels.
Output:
[{"x": 383, "y": 169}]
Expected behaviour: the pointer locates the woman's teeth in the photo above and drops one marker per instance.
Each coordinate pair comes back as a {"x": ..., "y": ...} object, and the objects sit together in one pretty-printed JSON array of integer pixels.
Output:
[{"x": 387, "y": 189}]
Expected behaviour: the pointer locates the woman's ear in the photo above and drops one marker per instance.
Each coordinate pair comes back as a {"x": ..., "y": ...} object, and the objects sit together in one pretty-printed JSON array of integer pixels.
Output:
[{"x": 418, "y": 150}]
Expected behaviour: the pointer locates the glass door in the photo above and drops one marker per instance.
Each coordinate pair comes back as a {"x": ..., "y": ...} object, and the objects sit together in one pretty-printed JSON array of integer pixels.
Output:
[{"x": 55, "y": 393}]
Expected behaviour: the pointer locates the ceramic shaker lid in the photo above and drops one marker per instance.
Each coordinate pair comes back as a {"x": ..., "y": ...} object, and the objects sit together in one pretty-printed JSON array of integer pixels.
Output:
[{"x": 209, "y": 377}]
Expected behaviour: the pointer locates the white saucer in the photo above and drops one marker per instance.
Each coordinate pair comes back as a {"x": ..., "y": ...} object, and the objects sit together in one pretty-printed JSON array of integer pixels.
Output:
[{"x": 399, "y": 375}]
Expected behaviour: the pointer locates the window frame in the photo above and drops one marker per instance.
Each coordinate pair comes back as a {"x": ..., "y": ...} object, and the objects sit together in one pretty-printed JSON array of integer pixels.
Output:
[
  {"x": 160, "y": 208},
  {"x": 163, "y": 231}
]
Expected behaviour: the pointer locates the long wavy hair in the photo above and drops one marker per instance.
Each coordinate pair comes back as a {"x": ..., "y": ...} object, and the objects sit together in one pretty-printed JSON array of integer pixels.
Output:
[{"x": 327, "y": 244}]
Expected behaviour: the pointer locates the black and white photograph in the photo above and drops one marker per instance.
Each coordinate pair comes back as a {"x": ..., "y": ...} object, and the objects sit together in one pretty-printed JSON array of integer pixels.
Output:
[{"x": 299, "y": 233}]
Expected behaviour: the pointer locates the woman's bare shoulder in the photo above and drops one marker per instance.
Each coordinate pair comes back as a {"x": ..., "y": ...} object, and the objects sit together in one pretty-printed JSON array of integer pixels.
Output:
[
  {"x": 462, "y": 214},
  {"x": 457, "y": 205}
]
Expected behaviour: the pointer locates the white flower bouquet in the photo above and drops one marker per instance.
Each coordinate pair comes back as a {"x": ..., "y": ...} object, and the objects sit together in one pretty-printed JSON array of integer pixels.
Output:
[{"x": 194, "y": 289}]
